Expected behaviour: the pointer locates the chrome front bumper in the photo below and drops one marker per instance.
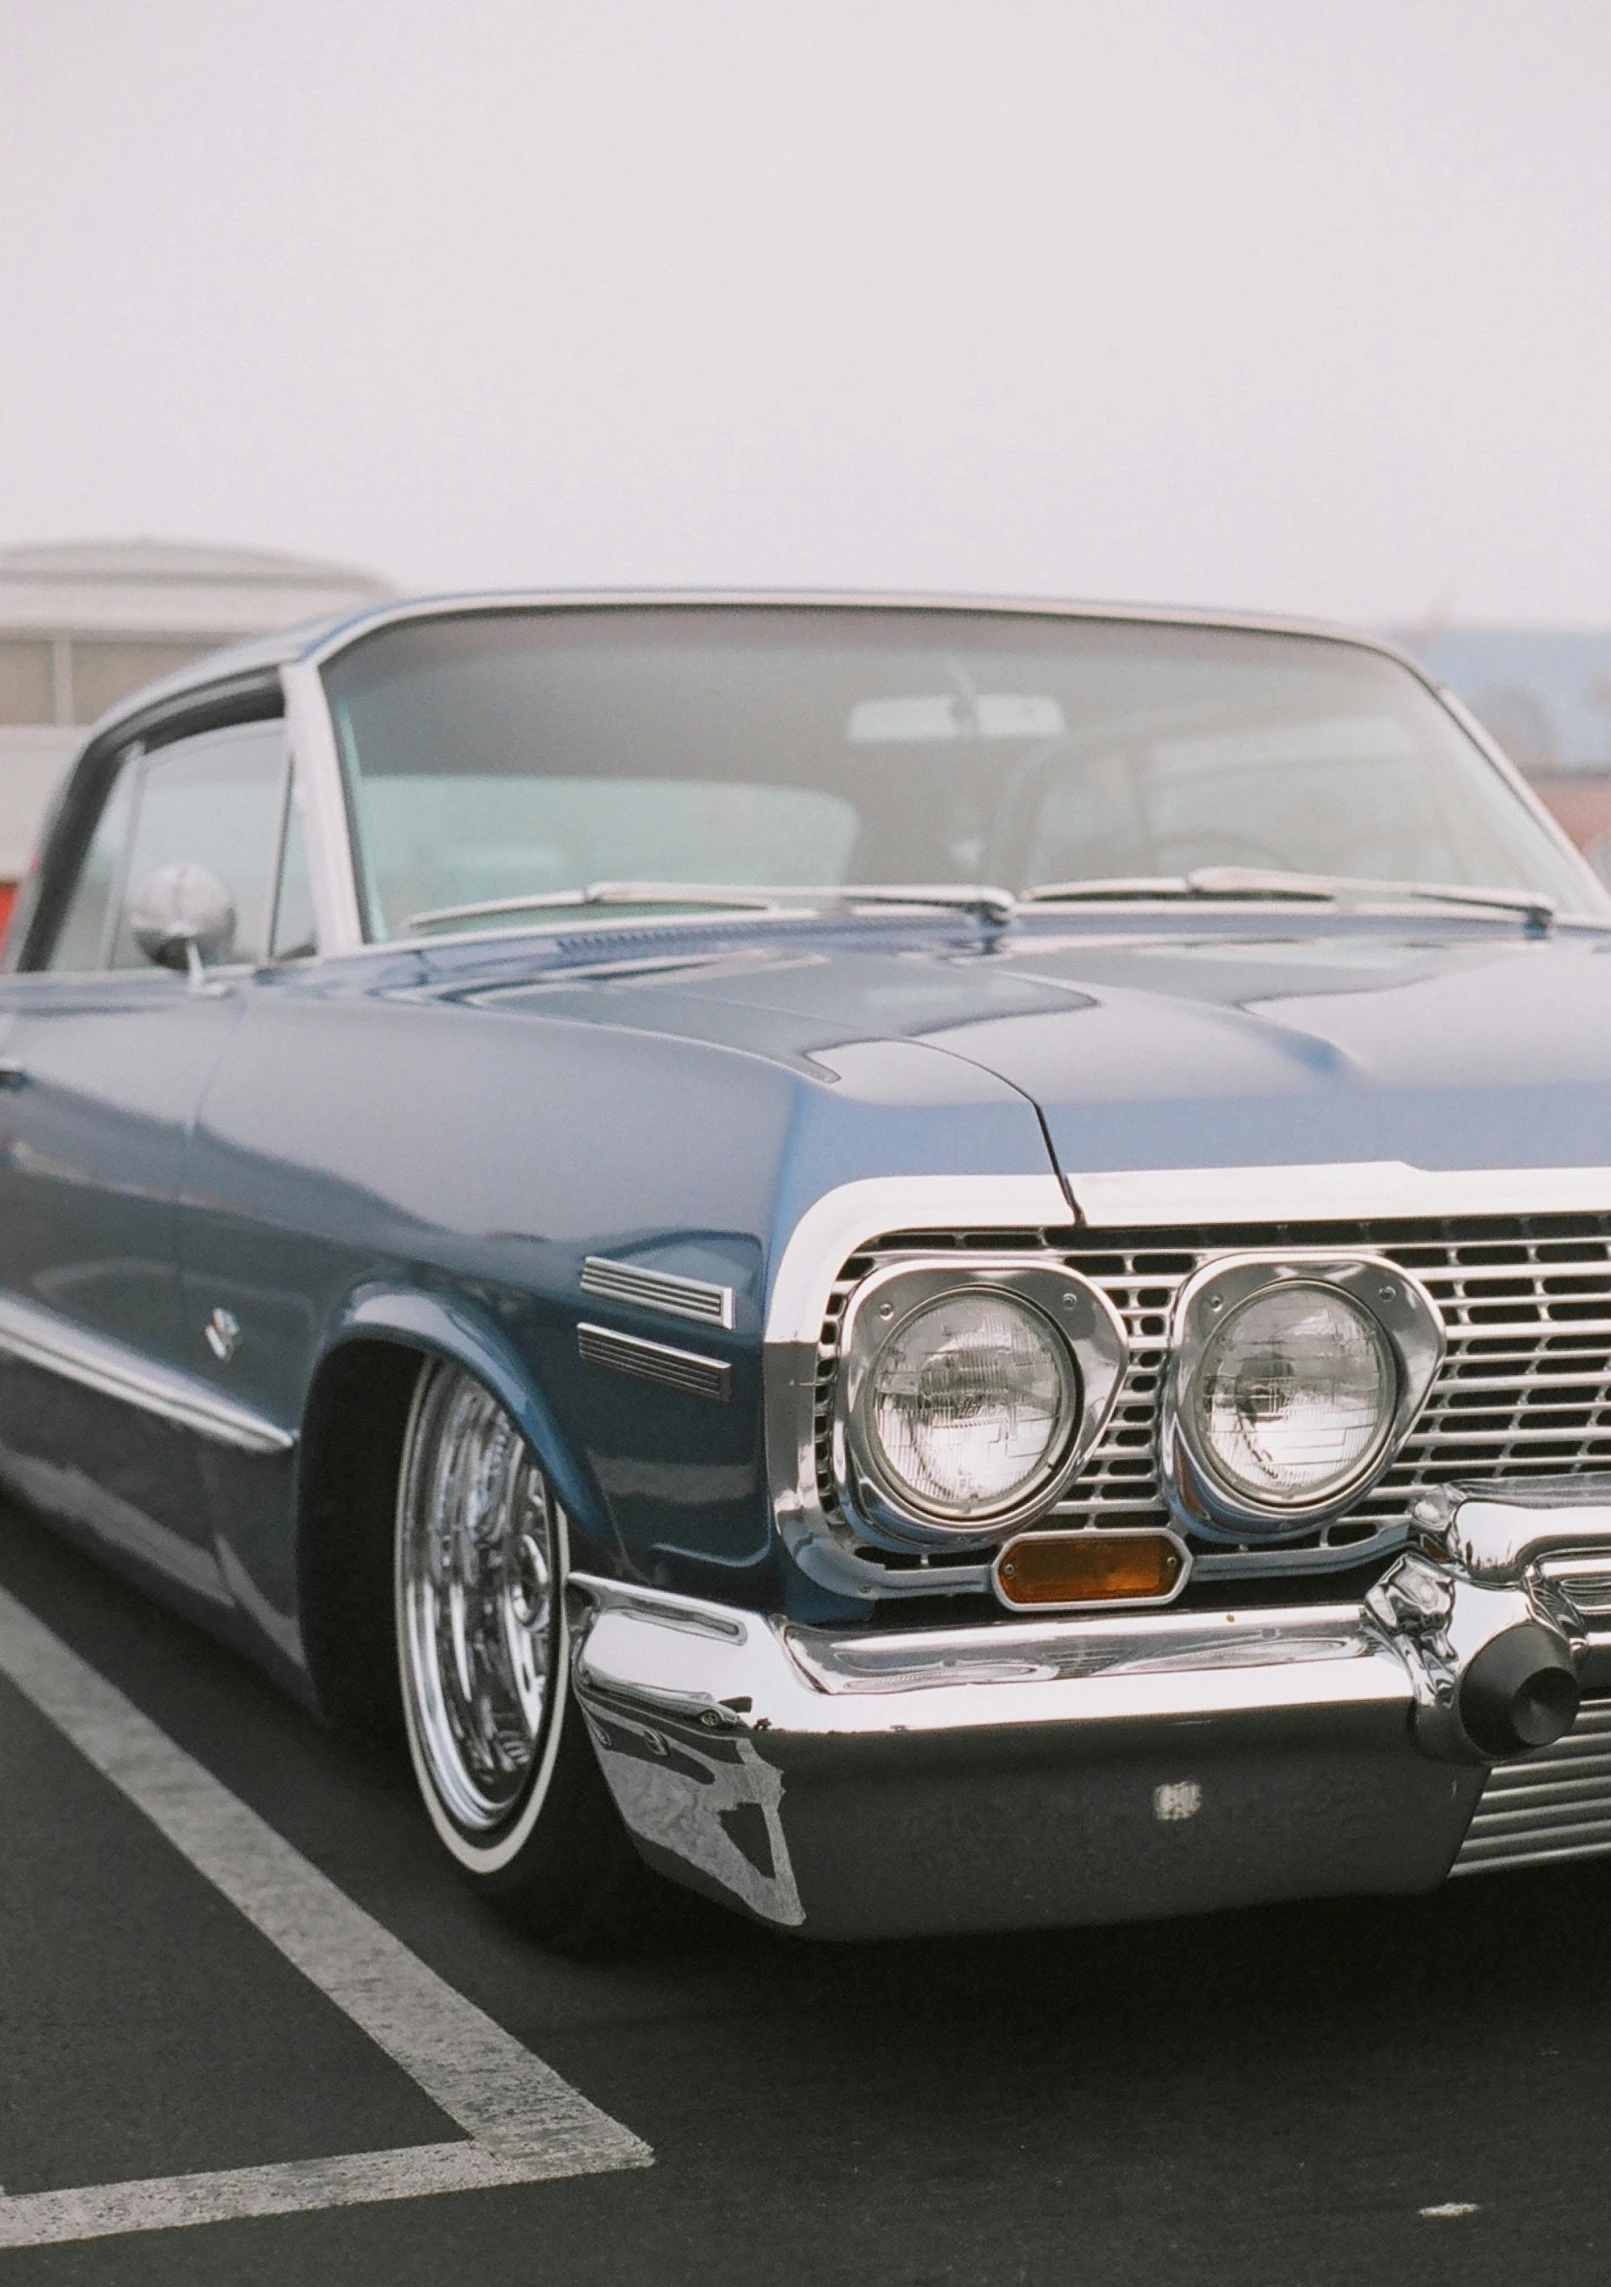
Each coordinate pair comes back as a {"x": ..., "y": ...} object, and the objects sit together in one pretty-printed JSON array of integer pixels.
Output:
[{"x": 1030, "y": 1773}]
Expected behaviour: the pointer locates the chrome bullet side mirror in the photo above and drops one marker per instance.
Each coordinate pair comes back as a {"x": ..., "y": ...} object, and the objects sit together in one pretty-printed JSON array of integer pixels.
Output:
[{"x": 182, "y": 917}]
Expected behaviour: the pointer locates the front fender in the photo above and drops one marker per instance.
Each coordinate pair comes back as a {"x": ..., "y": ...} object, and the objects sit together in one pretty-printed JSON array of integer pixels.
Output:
[{"x": 451, "y": 1326}]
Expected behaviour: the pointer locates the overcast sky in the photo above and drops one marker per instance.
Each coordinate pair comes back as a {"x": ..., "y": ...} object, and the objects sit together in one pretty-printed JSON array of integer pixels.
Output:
[{"x": 1240, "y": 301}]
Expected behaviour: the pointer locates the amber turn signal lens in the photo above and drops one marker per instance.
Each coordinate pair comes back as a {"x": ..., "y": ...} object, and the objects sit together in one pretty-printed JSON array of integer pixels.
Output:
[{"x": 1091, "y": 1567}]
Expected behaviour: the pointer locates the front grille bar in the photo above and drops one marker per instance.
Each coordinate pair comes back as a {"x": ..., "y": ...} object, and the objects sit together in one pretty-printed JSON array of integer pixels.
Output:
[
  {"x": 1552, "y": 1805},
  {"x": 1525, "y": 1388}
]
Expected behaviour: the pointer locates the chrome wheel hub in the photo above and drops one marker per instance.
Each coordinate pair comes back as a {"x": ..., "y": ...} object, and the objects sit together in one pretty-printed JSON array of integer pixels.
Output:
[{"x": 477, "y": 1598}]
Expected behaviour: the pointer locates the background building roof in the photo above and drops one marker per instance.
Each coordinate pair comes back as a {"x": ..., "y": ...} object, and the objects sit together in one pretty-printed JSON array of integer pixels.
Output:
[
  {"x": 170, "y": 587},
  {"x": 84, "y": 622}
]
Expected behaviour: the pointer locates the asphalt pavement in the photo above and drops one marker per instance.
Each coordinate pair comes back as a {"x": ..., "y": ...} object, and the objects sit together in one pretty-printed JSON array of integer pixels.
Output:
[{"x": 1412, "y": 2091}]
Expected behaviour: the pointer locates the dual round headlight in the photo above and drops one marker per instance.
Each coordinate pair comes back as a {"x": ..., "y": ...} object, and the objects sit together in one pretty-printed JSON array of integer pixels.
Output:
[
  {"x": 968, "y": 1399},
  {"x": 969, "y": 1405},
  {"x": 1294, "y": 1396}
]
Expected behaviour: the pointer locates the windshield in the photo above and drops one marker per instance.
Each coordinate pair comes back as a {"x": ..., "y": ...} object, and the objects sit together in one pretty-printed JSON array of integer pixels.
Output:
[{"x": 501, "y": 755}]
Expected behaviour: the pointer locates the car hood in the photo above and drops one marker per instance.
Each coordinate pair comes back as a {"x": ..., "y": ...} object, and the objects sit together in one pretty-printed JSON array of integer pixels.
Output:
[
  {"x": 1474, "y": 1054},
  {"x": 1217, "y": 1046},
  {"x": 1446, "y": 1049}
]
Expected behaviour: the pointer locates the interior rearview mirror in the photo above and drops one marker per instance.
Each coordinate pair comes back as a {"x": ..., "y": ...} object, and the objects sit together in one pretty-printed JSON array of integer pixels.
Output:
[{"x": 182, "y": 917}]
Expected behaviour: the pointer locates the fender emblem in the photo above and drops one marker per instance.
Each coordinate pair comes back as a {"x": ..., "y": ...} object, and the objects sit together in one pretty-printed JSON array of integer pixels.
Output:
[{"x": 222, "y": 1332}]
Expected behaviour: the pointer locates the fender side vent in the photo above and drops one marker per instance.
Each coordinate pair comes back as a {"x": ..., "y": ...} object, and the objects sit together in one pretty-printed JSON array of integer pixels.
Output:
[
  {"x": 664, "y": 1291},
  {"x": 656, "y": 1362}
]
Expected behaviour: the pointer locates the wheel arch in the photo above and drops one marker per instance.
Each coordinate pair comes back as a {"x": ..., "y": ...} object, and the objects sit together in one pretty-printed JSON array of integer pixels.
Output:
[{"x": 354, "y": 1423}]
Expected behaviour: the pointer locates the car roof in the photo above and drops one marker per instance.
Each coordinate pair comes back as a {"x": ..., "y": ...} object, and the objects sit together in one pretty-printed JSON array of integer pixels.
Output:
[{"x": 317, "y": 639}]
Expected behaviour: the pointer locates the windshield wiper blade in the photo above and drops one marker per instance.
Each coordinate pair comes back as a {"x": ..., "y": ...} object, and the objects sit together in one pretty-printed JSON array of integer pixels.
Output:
[
  {"x": 601, "y": 893},
  {"x": 1205, "y": 881},
  {"x": 1535, "y": 908},
  {"x": 1233, "y": 882},
  {"x": 965, "y": 897}
]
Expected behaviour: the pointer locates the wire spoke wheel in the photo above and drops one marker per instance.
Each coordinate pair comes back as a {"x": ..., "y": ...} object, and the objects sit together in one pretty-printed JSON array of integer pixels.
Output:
[{"x": 479, "y": 1604}]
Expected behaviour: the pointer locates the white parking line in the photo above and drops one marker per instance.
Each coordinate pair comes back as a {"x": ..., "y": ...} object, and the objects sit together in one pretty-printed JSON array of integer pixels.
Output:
[{"x": 524, "y": 2123}]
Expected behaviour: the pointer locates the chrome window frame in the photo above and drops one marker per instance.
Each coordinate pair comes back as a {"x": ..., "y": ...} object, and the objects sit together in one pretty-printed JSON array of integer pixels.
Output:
[
  {"x": 1198, "y": 1497},
  {"x": 331, "y": 856}
]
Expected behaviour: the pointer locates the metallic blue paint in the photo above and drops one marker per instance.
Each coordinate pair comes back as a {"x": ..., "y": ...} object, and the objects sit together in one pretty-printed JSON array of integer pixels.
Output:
[
  {"x": 423, "y": 1146},
  {"x": 405, "y": 1146}
]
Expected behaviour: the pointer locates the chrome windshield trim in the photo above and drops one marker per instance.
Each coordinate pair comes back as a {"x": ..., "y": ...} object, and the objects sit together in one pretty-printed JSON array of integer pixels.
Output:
[
  {"x": 39, "y": 1337},
  {"x": 1494, "y": 754},
  {"x": 1328, "y": 1191},
  {"x": 302, "y": 676},
  {"x": 355, "y": 627},
  {"x": 331, "y": 857},
  {"x": 329, "y": 637}
]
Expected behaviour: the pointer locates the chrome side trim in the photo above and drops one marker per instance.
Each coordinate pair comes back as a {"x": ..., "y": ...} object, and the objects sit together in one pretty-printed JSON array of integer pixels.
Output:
[
  {"x": 664, "y": 1291},
  {"x": 324, "y": 808},
  {"x": 655, "y": 1362},
  {"x": 1324, "y": 1191},
  {"x": 39, "y": 1337}
]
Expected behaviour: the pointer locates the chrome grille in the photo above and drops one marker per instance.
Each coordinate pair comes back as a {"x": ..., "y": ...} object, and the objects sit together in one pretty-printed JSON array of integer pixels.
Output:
[
  {"x": 1549, "y": 1805},
  {"x": 1525, "y": 1389}
]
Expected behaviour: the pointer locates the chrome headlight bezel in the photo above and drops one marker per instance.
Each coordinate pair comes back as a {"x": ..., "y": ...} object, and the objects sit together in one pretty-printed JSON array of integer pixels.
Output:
[
  {"x": 1402, "y": 1312},
  {"x": 1078, "y": 1315}
]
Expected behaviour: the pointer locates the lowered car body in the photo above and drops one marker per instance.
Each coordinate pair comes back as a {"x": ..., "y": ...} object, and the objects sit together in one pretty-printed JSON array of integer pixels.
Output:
[{"x": 943, "y": 1405}]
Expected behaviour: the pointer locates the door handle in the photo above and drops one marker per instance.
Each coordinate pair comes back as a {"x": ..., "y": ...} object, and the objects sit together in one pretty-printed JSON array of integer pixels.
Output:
[{"x": 13, "y": 1072}]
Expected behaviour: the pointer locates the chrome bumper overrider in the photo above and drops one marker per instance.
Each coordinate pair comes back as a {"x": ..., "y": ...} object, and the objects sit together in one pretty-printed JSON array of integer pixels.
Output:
[{"x": 1040, "y": 1772}]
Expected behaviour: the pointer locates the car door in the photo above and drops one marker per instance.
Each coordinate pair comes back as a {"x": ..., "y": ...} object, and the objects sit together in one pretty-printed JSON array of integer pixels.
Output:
[{"x": 105, "y": 1058}]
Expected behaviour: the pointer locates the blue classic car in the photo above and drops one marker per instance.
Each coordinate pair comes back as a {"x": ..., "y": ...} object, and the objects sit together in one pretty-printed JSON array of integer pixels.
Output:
[{"x": 938, "y": 1266}]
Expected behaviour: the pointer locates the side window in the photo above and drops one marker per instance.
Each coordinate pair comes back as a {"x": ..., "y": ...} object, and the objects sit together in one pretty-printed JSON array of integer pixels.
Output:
[
  {"x": 83, "y": 941},
  {"x": 213, "y": 801}
]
